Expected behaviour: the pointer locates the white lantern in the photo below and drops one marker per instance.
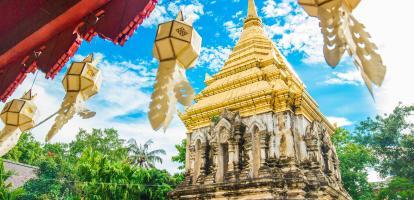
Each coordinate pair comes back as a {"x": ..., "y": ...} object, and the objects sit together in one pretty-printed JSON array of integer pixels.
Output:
[
  {"x": 81, "y": 82},
  {"x": 177, "y": 46},
  {"x": 177, "y": 40},
  {"x": 18, "y": 116}
]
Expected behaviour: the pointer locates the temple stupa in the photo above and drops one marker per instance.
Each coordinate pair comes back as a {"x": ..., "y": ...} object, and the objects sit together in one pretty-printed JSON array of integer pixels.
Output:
[{"x": 255, "y": 132}]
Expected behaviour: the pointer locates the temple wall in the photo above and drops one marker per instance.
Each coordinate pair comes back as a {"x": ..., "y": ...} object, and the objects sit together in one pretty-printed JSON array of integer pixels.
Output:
[{"x": 266, "y": 146}]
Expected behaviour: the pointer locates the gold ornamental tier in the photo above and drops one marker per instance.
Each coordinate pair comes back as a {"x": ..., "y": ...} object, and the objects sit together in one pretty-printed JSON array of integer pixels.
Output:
[{"x": 255, "y": 79}]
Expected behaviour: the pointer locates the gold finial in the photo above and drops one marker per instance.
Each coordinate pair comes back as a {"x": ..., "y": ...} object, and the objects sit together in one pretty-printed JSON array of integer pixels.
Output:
[
  {"x": 88, "y": 58},
  {"x": 28, "y": 95},
  {"x": 251, "y": 10},
  {"x": 252, "y": 17},
  {"x": 180, "y": 16}
]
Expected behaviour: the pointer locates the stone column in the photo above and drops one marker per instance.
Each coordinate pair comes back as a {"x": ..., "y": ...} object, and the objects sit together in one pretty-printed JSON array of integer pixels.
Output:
[
  {"x": 272, "y": 151},
  {"x": 237, "y": 152},
  {"x": 202, "y": 172},
  {"x": 230, "y": 163},
  {"x": 248, "y": 156},
  {"x": 262, "y": 148},
  {"x": 211, "y": 178},
  {"x": 233, "y": 160},
  {"x": 187, "y": 153}
]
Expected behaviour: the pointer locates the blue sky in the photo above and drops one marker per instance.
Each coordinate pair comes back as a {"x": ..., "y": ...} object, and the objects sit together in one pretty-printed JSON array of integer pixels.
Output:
[{"x": 129, "y": 71}]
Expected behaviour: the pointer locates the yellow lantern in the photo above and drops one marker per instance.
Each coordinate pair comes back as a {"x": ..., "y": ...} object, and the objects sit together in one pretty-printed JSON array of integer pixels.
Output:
[
  {"x": 177, "y": 47},
  {"x": 342, "y": 32},
  {"x": 81, "y": 82},
  {"x": 18, "y": 116}
]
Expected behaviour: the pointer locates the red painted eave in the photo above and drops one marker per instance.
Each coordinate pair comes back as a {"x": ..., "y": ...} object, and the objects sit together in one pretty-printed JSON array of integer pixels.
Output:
[{"x": 44, "y": 38}]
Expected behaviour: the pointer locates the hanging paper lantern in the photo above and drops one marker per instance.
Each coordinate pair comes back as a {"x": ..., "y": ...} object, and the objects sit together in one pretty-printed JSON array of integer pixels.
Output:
[
  {"x": 81, "y": 82},
  {"x": 18, "y": 116},
  {"x": 342, "y": 32},
  {"x": 177, "y": 46}
]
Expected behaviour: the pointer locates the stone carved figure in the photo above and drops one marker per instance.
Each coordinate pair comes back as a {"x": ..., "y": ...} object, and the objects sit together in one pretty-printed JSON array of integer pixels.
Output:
[
  {"x": 287, "y": 150},
  {"x": 326, "y": 149},
  {"x": 313, "y": 143}
]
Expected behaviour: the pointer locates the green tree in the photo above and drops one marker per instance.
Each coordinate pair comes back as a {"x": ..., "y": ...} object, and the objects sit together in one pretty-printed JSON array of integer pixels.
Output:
[
  {"x": 391, "y": 138},
  {"x": 180, "y": 158},
  {"x": 6, "y": 190},
  {"x": 26, "y": 151},
  {"x": 106, "y": 142},
  {"x": 141, "y": 156},
  {"x": 55, "y": 175},
  {"x": 96, "y": 165},
  {"x": 354, "y": 161},
  {"x": 398, "y": 188}
]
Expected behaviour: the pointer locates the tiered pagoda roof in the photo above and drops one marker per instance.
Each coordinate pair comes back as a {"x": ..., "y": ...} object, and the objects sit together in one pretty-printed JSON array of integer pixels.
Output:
[{"x": 255, "y": 79}]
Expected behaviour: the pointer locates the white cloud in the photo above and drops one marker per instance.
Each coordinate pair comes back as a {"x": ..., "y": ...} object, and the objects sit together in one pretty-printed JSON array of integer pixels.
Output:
[
  {"x": 237, "y": 14},
  {"x": 339, "y": 121},
  {"x": 157, "y": 16},
  {"x": 163, "y": 12},
  {"x": 294, "y": 30},
  {"x": 273, "y": 9},
  {"x": 233, "y": 29},
  {"x": 214, "y": 57},
  {"x": 352, "y": 77},
  {"x": 192, "y": 12}
]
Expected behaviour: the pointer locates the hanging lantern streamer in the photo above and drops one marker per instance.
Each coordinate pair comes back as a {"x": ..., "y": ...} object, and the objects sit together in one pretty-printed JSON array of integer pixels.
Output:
[
  {"x": 177, "y": 46},
  {"x": 342, "y": 32},
  {"x": 81, "y": 82}
]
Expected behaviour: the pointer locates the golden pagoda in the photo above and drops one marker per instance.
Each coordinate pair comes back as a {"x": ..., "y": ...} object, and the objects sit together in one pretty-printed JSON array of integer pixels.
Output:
[{"x": 254, "y": 132}]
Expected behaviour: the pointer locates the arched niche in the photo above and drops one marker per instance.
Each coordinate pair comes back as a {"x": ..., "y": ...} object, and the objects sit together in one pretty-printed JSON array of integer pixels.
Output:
[
  {"x": 223, "y": 135},
  {"x": 197, "y": 160},
  {"x": 256, "y": 128},
  {"x": 198, "y": 142}
]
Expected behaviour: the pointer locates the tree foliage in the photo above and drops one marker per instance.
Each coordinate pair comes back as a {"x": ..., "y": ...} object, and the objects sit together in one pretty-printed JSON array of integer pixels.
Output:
[
  {"x": 180, "y": 158},
  {"x": 391, "y": 138},
  {"x": 398, "y": 188},
  {"x": 96, "y": 165},
  {"x": 142, "y": 156},
  {"x": 354, "y": 160},
  {"x": 385, "y": 143}
]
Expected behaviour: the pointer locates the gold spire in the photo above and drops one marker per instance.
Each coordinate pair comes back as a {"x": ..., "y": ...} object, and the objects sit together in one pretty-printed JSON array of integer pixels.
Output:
[
  {"x": 251, "y": 10},
  {"x": 252, "y": 17}
]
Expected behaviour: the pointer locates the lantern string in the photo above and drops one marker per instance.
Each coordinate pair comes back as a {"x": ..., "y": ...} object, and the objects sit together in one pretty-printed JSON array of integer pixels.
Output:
[
  {"x": 49, "y": 117},
  {"x": 34, "y": 79}
]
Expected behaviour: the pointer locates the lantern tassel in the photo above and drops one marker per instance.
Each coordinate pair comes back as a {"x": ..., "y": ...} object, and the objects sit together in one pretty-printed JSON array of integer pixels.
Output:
[
  {"x": 341, "y": 31},
  {"x": 66, "y": 112},
  {"x": 163, "y": 101},
  {"x": 9, "y": 136}
]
